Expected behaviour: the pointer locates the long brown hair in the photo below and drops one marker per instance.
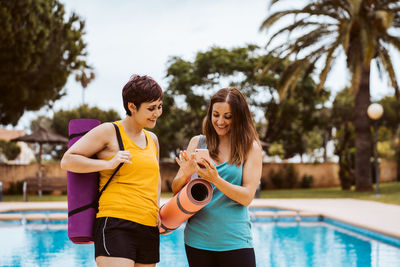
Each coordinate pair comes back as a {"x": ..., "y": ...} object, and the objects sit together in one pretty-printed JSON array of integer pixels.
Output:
[{"x": 243, "y": 132}]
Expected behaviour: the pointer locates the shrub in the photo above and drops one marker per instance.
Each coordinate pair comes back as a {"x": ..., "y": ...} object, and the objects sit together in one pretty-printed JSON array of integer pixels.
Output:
[
  {"x": 15, "y": 188},
  {"x": 276, "y": 179},
  {"x": 290, "y": 176},
  {"x": 306, "y": 181},
  {"x": 286, "y": 178}
]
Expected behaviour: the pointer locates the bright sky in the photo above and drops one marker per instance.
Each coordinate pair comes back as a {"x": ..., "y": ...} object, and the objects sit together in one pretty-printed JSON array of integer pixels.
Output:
[{"x": 126, "y": 37}]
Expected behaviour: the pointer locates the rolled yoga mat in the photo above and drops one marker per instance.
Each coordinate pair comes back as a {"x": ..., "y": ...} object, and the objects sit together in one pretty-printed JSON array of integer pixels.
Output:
[
  {"x": 82, "y": 189},
  {"x": 192, "y": 197}
]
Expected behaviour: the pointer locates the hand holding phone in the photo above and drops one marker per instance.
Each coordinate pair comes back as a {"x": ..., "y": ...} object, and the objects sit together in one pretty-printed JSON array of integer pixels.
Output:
[{"x": 202, "y": 154}]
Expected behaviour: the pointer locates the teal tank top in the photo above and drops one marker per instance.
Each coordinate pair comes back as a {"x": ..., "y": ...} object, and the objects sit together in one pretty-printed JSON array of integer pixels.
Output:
[{"x": 223, "y": 224}]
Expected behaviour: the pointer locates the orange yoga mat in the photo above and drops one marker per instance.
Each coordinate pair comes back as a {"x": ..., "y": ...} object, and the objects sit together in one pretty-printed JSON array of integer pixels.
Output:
[{"x": 192, "y": 197}]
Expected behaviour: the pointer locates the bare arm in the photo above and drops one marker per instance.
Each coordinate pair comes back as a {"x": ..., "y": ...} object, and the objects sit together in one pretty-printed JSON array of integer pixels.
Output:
[
  {"x": 187, "y": 166},
  {"x": 78, "y": 156},
  {"x": 252, "y": 168}
]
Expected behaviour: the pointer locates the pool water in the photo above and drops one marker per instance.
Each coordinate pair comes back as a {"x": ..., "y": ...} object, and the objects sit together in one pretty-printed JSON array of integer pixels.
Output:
[{"x": 276, "y": 244}]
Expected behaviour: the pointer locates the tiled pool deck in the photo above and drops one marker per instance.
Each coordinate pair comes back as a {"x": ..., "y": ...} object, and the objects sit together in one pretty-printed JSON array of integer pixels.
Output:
[{"x": 370, "y": 215}]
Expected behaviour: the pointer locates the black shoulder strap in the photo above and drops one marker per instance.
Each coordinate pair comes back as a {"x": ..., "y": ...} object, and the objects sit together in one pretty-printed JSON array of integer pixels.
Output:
[
  {"x": 95, "y": 203},
  {"x": 121, "y": 147}
]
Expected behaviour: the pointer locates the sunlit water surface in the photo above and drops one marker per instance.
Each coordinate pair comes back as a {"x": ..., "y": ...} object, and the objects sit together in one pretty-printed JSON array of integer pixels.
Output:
[{"x": 276, "y": 244}]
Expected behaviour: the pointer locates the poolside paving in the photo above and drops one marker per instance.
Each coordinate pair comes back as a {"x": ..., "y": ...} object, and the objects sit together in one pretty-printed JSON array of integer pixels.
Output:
[{"x": 371, "y": 215}]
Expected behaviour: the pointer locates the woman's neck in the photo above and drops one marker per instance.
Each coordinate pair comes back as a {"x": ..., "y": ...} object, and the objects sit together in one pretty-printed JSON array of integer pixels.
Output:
[
  {"x": 224, "y": 149},
  {"x": 225, "y": 140},
  {"x": 131, "y": 126}
]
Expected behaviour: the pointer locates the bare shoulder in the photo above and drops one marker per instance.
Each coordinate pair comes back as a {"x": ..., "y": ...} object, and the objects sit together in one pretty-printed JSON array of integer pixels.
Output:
[
  {"x": 94, "y": 141},
  {"x": 193, "y": 143},
  {"x": 153, "y": 136},
  {"x": 104, "y": 131},
  {"x": 255, "y": 150},
  {"x": 106, "y": 126},
  {"x": 256, "y": 146},
  {"x": 254, "y": 157}
]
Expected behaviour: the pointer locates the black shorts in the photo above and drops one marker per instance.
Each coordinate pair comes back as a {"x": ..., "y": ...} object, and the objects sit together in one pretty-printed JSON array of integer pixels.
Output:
[
  {"x": 243, "y": 257},
  {"x": 115, "y": 237}
]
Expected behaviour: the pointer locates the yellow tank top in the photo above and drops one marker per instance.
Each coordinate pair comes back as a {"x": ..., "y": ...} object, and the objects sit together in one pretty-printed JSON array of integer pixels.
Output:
[{"x": 132, "y": 193}]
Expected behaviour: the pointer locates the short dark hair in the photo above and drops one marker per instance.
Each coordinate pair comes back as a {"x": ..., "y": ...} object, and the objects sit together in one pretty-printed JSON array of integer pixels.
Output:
[{"x": 140, "y": 89}]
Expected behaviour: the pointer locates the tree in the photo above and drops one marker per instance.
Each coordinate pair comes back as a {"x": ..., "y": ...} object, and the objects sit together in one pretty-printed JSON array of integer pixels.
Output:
[
  {"x": 391, "y": 120},
  {"x": 292, "y": 120},
  {"x": 342, "y": 121},
  {"x": 9, "y": 150},
  {"x": 84, "y": 79},
  {"x": 191, "y": 83},
  {"x": 60, "y": 120},
  {"x": 320, "y": 31},
  {"x": 39, "y": 48}
]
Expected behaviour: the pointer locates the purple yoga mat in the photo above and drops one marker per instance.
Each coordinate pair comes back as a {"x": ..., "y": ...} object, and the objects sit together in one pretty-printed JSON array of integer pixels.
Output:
[{"x": 82, "y": 189}]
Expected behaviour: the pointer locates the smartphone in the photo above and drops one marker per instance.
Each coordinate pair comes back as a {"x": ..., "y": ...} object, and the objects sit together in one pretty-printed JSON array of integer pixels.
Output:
[{"x": 202, "y": 153}]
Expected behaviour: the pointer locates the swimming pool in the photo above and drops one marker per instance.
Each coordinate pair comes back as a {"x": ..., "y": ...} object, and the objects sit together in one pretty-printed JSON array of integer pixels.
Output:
[{"x": 276, "y": 244}]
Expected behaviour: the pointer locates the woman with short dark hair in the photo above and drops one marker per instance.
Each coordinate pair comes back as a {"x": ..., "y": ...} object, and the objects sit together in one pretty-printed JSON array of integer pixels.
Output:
[{"x": 126, "y": 232}]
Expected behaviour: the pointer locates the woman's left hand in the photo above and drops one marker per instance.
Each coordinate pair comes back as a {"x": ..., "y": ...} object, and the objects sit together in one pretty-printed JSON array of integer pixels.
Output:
[{"x": 208, "y": 173}]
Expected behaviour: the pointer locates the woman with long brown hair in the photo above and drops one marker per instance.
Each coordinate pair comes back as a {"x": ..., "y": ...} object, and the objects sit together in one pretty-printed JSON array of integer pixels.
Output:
[{"x": 220, "y": 233}]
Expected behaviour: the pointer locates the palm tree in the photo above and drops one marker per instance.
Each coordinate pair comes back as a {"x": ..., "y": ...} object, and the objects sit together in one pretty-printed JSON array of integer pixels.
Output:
[
  {"x": 84, "y": 80},
  {"x": 364, "y": 30}
]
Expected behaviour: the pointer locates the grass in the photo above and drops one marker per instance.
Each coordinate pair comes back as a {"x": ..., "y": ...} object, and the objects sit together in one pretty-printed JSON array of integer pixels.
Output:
[
  {"x": 389, "y": 193},
  {"x": 32, "y": 198}
]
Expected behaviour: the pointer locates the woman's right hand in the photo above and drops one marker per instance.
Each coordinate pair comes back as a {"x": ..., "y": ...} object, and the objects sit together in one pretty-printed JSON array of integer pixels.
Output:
[
  {"x": 187, "y": 164},
  {"x": 122, "y": 156}
]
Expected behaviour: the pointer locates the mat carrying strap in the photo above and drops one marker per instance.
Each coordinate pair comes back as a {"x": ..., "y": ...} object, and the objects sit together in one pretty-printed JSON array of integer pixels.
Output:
[{"x": 95, "y": 203}]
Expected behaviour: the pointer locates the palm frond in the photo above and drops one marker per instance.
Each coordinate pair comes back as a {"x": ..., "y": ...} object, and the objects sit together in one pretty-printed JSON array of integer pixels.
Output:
[
  {"x": 273, "y": 18},
  {"x": 394, "y": 10},
  {"x": 380, "y": 68},
  {"x": 341, "y": 3},
  {"x": 385, "y": 59},
  {"x": 296, "y": 69},
  {"x": 393, "y": 40},
  {"x": 296, "y": 26},
  {"x": 328, "y": 8},
  {"x": 344, "y": 31},
  {"x": 328, "y": 63},
  {"x": 359, "y": 26},
  {"x": 273, "y": 2},
  {"x": 310, "y": 68},
  {"x": 272, "y": 65},
  {"x": 289, "y": 76},
  {"x": 386, "y": 3},
  {"x": 308, "y": 39}
]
